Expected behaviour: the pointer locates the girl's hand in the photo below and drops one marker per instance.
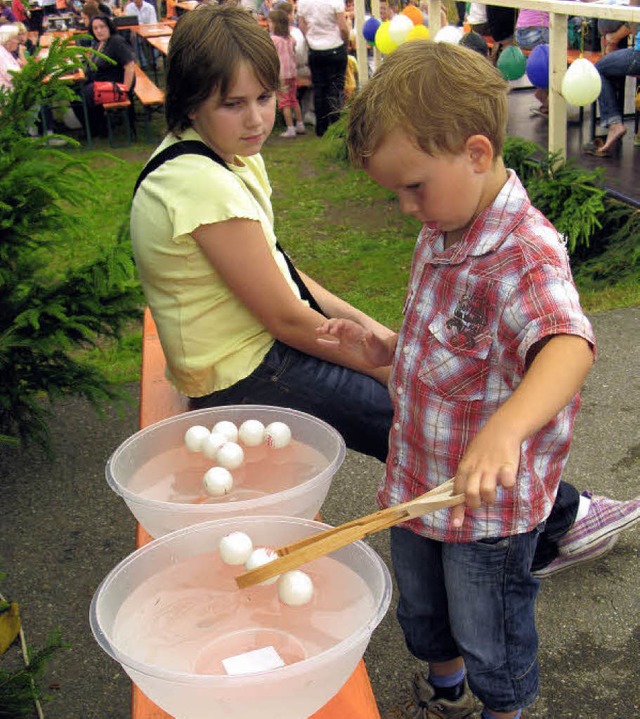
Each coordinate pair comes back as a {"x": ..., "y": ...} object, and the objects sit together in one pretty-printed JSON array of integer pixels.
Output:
[{"x": 352, "y": 337}]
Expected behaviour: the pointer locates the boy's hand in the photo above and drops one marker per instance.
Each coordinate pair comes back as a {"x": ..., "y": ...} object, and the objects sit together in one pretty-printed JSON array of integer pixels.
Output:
[
  {"x": 491, "y": 459},
  {"x": 354, "y": 338}
]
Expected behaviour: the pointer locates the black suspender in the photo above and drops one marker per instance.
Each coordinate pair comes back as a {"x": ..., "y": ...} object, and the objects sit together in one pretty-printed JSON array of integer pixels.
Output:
[{"x": 193, "y": 147}]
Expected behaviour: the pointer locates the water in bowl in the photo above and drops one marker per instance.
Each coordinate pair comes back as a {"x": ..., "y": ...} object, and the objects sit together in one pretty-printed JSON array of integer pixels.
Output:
[
  {"x": 175, "y": 475},
  {"x": 190, "y": 617}
]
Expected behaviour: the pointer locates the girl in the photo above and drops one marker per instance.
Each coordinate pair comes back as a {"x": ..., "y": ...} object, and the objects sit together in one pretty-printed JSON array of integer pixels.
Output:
[{"x": 287, "y": 95}]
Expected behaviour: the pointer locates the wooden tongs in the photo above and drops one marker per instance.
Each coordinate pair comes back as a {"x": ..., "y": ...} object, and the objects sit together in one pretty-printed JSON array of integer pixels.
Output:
[{"x": 304, "y": 550}]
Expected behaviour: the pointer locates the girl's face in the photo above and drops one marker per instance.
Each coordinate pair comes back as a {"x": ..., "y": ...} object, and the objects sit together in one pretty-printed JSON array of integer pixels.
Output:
[
  {"x": 100, "y": 30},
  {"x": 240, "y": 123},
  {"x": 22, "y": 37},
  {"x": 12, "y": 43}
]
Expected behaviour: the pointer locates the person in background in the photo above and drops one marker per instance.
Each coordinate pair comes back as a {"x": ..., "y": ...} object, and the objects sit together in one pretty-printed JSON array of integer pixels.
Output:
[
  {"x": 532, "y": 29},
  {"x": 303, "y": 72},
  {"x": 502, "y": 27},
  {"x": 477, "y": 18},
  {"x": 20, "y": 12},
  {"x": 6, "y": 13},
  {"x": 26, "y": 48},
  {"x": 144, "y": 10},
  {"x": 287, "y": 93},
  {"x": 326, "y": 30}
]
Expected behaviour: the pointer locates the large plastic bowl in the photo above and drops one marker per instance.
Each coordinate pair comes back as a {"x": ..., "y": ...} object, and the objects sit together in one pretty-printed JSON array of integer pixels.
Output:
[
  {"x": 161, "y": 446},
  {"x": 294, "y": 691}
]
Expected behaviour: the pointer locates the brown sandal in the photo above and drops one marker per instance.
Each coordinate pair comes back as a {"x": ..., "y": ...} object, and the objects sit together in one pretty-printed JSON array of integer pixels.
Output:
[{"x": 595, "y": 148}]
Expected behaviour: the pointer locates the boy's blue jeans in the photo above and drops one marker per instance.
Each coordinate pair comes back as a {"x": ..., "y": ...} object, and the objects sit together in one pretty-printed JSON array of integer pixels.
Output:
[{"x": 476, "y": 601}]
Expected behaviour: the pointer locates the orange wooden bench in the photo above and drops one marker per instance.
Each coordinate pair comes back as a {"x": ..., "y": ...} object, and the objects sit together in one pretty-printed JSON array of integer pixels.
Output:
[{"x": 159, "y": 400}]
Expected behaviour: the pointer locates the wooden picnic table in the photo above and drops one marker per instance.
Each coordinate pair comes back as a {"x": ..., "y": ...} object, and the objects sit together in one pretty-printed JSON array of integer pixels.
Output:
[
  {"x": 159, "y": 400},
  {"x": 157, "y": 29},
  {"x": 48, "y": 37},
  {"x": 161, "y": 44}
]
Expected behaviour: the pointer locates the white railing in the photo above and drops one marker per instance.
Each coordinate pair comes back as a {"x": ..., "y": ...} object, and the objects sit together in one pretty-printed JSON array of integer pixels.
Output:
[{"x": 559, "y": 12}]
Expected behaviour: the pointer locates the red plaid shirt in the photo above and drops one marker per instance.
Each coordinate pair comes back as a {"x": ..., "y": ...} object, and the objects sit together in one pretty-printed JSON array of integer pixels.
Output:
[{"x": 472, "y": 313}]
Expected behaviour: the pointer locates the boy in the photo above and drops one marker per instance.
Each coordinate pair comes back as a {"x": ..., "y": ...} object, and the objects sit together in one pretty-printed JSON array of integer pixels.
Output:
[{"x": 487, "y": 366}]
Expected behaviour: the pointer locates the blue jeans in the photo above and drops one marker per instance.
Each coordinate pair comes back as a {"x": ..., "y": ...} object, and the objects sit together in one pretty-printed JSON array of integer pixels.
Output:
[
  {"x": 360, "y": 409},
  {"x": 615, "y": 66},
  {"x": 530, "y": 37},
  {"x": 477, "y": 601},
  {"x": 358, "y": 406}
]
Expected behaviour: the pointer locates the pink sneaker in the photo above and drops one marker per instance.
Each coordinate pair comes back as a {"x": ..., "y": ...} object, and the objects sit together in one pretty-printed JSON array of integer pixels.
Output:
[
  {"x": 606, "y": 517},
  {"x": 563, "y": 562}
]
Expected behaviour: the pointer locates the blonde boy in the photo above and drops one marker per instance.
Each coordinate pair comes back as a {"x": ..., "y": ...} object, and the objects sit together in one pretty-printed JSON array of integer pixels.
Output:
[{"x": 486, "y": 371}]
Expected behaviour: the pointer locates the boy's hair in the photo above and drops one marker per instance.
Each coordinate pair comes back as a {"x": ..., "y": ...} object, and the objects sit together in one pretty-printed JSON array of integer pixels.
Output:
[
  {"x": 439, "y": 93},
  {"x": 280, "y": 22},
  {"x": 206, "y": 49}
]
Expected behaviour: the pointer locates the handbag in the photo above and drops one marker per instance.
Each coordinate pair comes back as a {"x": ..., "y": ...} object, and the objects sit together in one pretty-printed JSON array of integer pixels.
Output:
[{"x": 108, "y": 92}]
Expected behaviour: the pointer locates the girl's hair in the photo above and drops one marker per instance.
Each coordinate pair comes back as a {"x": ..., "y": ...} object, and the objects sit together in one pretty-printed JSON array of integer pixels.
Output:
[
  {"x": 107, "y": 21},
  {"x": 440, "y": 94},
  {"x": 206, "y": 50},
  {"x": 280, "y": 21},
  {"x": 21, "y": 27}
]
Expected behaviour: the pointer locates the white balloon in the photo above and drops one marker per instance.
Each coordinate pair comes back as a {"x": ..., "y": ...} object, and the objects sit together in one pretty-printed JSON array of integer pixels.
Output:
[
  {"x": 450, "y": 34},
  {"x": 399, "y": 28},
  {"x": 582, "y": 83}
]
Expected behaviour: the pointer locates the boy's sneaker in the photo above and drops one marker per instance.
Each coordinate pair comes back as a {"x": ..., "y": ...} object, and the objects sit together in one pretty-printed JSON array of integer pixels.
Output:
[
  {"x": 424, "y": 705},
  {"x": 289, "y": 132},
  {"x": 300, "y": 129},
  {"x": 562, "y": 562},
  {"x": 606, "y": 517}
]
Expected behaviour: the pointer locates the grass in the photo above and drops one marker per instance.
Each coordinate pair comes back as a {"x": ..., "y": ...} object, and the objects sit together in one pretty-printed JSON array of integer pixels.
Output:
[{"x": 337, "y": 225}]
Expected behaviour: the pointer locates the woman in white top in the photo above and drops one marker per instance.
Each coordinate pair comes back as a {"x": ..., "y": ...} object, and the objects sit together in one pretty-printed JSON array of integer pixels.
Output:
[{"x": 325, "y": 26}]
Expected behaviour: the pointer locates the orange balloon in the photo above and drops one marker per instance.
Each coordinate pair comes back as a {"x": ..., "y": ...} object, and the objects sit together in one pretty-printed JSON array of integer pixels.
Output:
[{"x": 414, "y": 14}]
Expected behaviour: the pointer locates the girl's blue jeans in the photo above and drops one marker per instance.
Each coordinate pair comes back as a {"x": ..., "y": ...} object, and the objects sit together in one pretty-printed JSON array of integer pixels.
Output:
[
  {"x": 475, "y": 601},
  {"x": 614, "y": 67}
]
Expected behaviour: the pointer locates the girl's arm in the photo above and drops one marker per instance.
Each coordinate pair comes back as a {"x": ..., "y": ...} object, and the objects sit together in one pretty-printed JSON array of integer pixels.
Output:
[{"x": 238, "y": 251}]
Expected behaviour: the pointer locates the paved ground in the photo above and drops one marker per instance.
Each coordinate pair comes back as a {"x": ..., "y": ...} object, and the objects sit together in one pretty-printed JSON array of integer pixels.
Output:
[{"x": 62, "y": 530}]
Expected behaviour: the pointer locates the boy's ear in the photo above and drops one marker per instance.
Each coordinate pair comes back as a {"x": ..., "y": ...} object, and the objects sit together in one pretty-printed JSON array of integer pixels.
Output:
[{"x": 480, "y": 152}]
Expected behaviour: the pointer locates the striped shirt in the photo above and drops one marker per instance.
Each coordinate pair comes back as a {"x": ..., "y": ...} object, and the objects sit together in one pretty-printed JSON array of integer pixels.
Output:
[{"x": 472, "y": 313}]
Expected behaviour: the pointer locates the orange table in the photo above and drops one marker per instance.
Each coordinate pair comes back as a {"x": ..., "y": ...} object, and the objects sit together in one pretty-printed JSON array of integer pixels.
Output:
[
  {"x": 157, "y": 29},
  {"x": 160, "y": 43},
  {"x": 159, "y": 400}
]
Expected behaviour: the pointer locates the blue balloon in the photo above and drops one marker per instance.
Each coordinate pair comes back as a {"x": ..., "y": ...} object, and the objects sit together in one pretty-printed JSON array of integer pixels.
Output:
[
  {"x": 370, "y": 28},
  {"x": 538, "y": 66}
]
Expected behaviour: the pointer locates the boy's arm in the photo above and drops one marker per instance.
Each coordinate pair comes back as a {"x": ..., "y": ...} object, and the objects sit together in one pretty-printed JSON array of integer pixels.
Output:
[{"x": 556, "y": 373}]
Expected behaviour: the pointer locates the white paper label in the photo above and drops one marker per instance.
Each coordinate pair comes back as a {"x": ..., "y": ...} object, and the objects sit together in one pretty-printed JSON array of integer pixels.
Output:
[{"x": 258, "y": 660}]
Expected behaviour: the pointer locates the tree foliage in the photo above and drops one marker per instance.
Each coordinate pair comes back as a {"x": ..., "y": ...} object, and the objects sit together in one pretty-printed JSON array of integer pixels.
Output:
[{"x": 47, "y": 315}]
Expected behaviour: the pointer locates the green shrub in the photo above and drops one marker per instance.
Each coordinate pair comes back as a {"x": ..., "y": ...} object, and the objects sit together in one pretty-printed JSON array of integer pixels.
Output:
[{"x": 47, "y": 315}]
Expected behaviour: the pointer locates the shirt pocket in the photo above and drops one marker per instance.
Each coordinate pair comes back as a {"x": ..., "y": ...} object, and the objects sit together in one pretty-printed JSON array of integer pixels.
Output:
[{"x": 455, "y": 364}]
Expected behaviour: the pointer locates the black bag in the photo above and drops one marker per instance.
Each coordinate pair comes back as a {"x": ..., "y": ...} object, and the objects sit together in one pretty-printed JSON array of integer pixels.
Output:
[{"x": 193, "y": 147}]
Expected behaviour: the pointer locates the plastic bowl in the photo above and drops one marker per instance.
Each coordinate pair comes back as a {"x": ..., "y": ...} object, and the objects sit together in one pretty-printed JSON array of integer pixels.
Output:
[
  {"x": 159, "y": 451},
  {"x": 293, "y": 691}
]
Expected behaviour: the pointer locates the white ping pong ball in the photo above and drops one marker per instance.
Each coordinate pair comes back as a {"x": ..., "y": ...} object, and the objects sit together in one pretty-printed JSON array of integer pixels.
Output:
[
  {"x": 217, "y": 481},
  {"x": 230, "y": 455},
  {"x": 228, "y": 429},
  {"x": 295, "y": 588},
  {"x": 251, "y": 433},
  {"x": 212, "y": 444},
  {"x": 235, "y": 548},
  {"x": 258, "y": 558},
  {"x": 195, "y": 436},
  {"x": 277, "y": 435}
]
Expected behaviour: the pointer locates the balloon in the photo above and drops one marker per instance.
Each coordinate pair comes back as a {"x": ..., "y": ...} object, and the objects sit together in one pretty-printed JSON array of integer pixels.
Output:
[
  {"x": 370, "y": 28},
  {"x": 538, "y": 66},
  {"x": 399, "y": 28},
  {"x": 582, "y": 83},
  {"x": 512, "y": 63},
  {"x": 418, "y": 32},
  {"x": 414, "y": 14},
  {"x": 449, "y": 33},
  {"x": 383, "y": 42}
]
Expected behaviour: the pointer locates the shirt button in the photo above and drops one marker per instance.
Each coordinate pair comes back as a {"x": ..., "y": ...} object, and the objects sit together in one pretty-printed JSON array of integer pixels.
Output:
[
  {"x": 396, "y": 426},
  {"x": 405, "y": 349},
  {"x": 396, "y": 461},
  {"x": 400, "y": 390}
]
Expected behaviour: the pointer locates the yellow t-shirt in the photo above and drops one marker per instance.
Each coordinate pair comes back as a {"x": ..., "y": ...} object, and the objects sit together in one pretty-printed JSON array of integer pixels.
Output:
[{"x": 210, "y": 339}]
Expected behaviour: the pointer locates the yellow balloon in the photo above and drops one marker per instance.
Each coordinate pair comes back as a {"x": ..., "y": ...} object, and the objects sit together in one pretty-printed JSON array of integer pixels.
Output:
[
  {"x": 419, "y": 32},
  {"x": 383, "y": 41}
]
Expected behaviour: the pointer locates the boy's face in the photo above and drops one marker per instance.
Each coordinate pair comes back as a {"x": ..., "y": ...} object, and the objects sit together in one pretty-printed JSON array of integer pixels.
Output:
[{"x": 444, "y": 191}]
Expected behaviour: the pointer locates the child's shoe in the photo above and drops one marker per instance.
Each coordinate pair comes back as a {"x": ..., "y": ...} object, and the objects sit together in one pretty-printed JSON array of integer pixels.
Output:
[
  {"x": 566, "y": 561},
  {"x": 289, "y": 132},
  {"x": 300, "y": 128},
  {"x": 424, "y": 705}
]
